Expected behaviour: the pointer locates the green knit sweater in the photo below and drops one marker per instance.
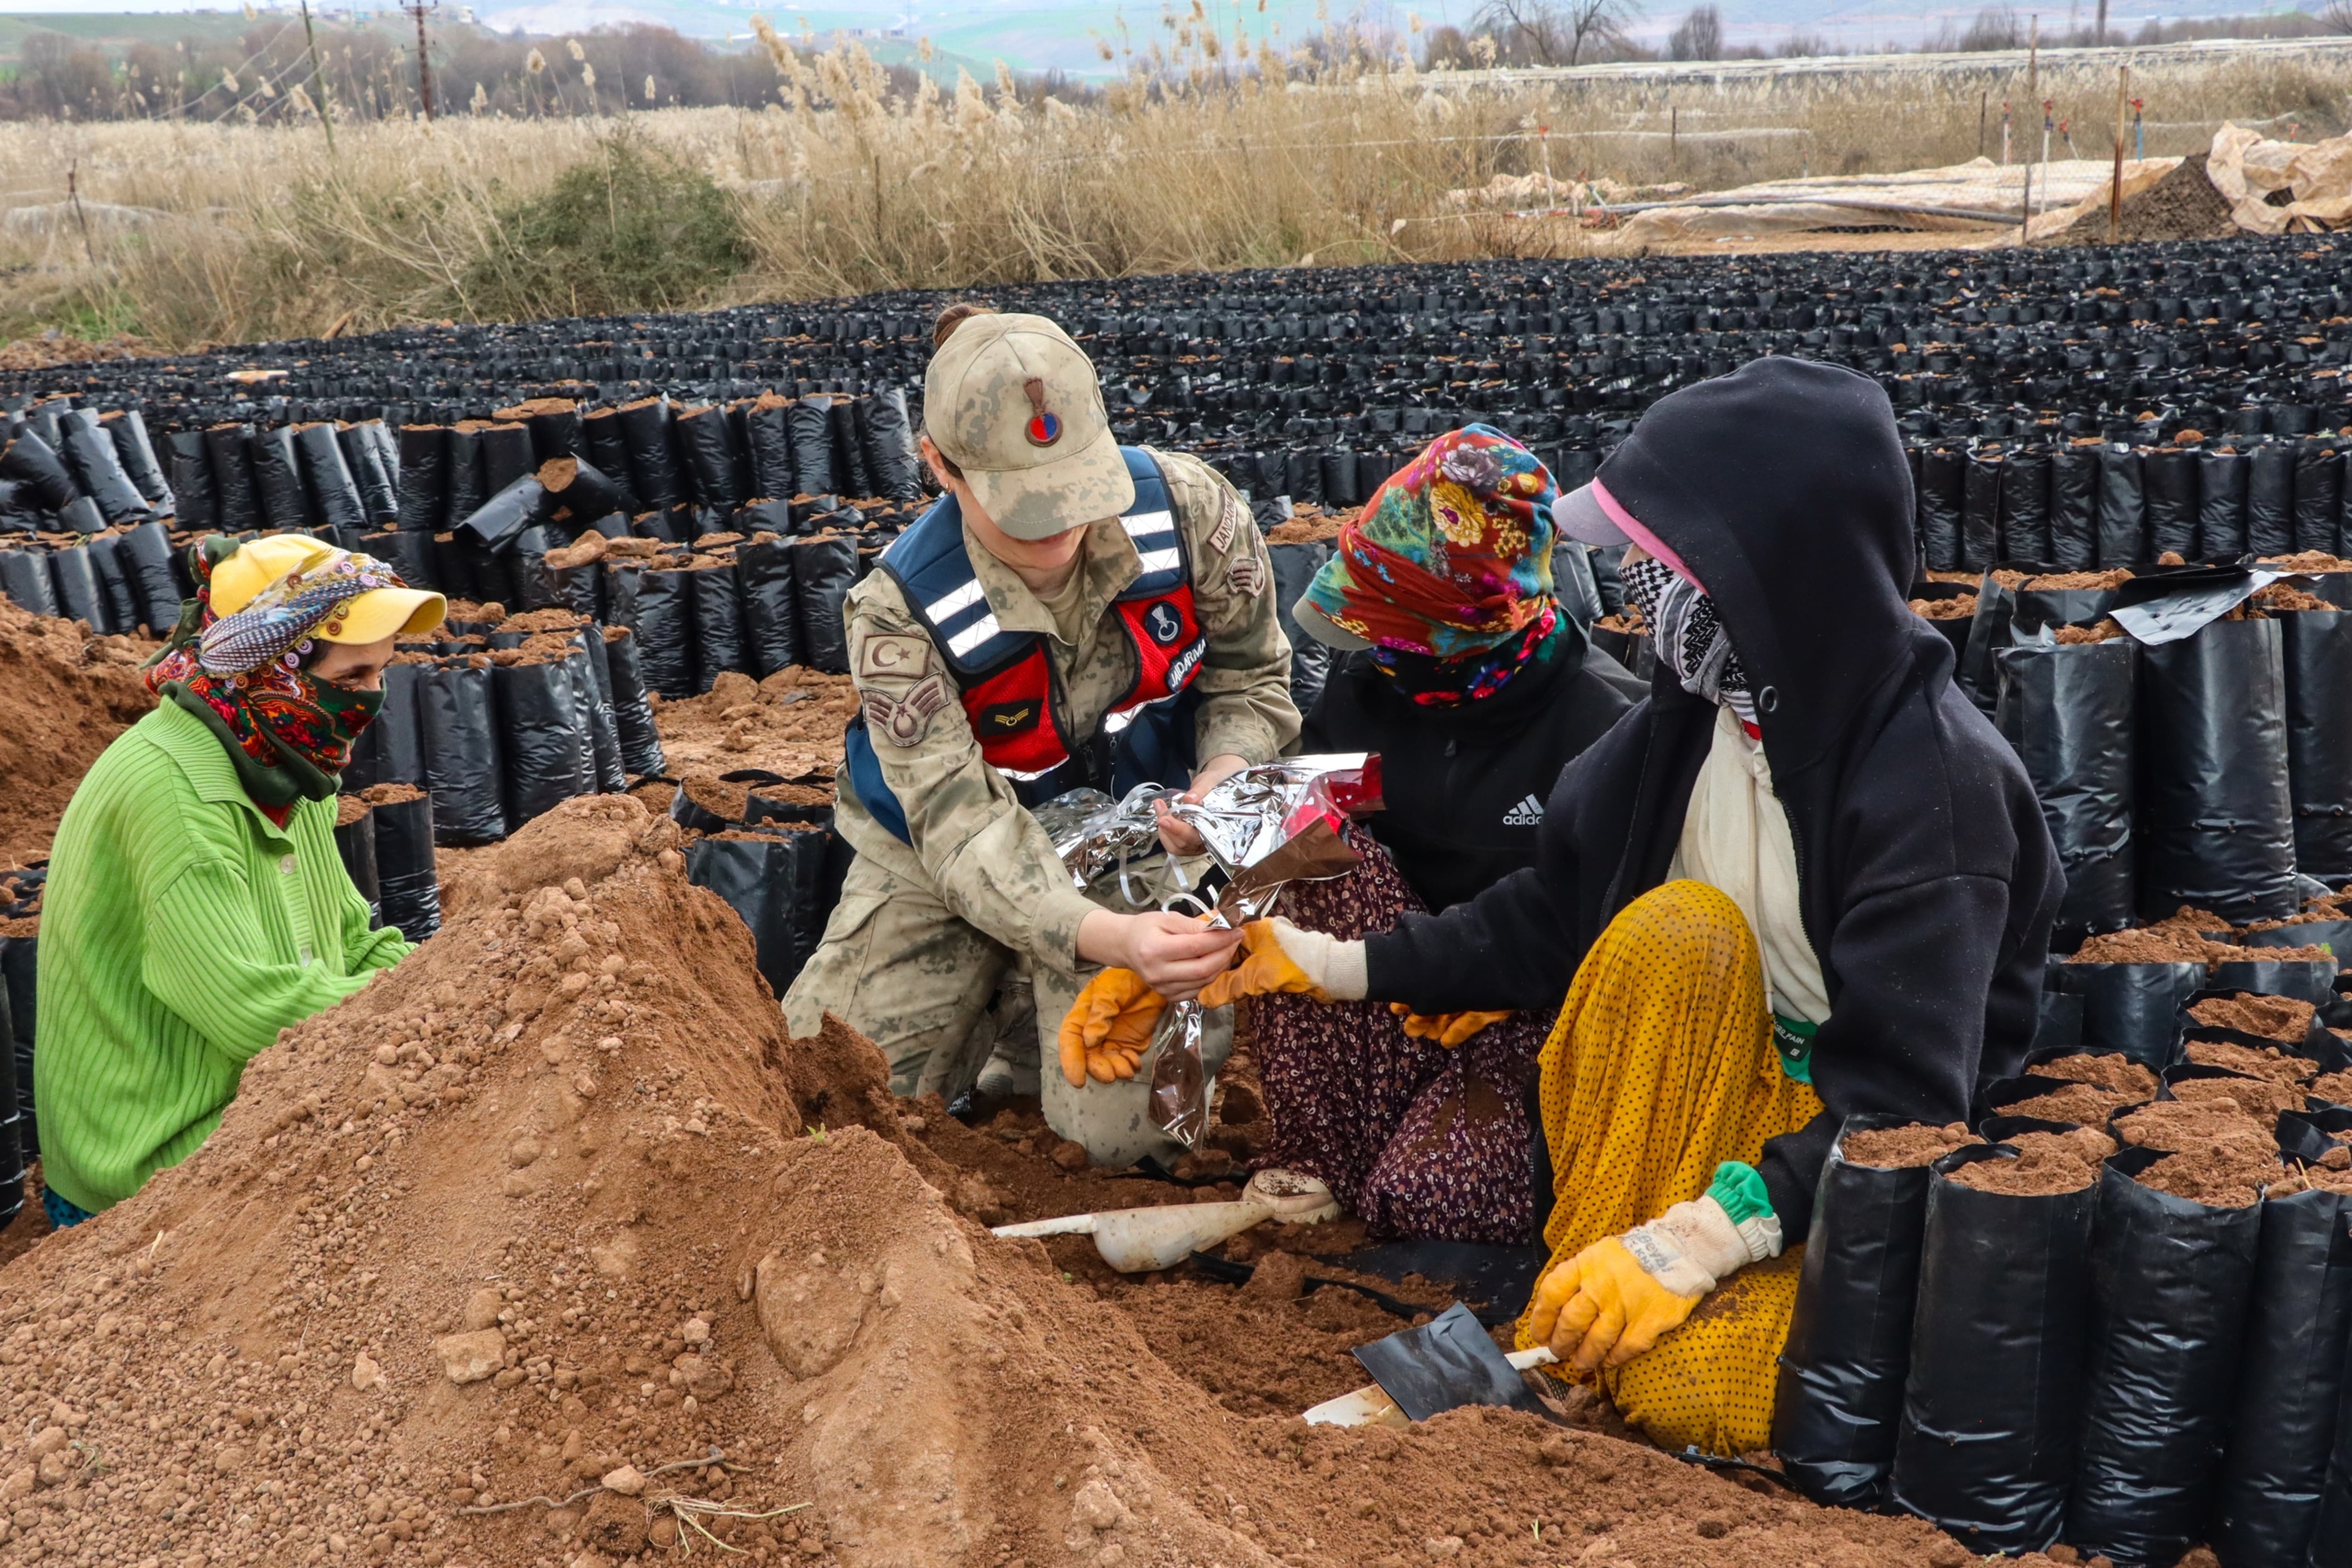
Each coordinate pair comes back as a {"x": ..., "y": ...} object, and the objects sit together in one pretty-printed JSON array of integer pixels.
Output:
[{"x": 180, "y": 930}]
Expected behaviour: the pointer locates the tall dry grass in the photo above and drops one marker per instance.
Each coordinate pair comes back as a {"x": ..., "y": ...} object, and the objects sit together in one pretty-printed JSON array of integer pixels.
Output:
[{"x": 193, "y": 233}]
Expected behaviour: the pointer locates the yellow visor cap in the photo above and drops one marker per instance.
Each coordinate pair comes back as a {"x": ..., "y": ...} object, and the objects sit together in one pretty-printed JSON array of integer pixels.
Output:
[
  {"x": 258, "y": 563},
  {"x": 386, "y": 612}
]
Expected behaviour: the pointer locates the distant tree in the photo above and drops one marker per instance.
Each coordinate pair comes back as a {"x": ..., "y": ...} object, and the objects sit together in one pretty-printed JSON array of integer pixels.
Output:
[
  {"x": 1445, "y": 46},
  {"x": 1996, "y": 27},
  {"x": 1700, "y": 35},
  {"x": 2337, "y": 16},
  {"x": 1555, "y": 32},
  {"x": 1804, "y": 46}
]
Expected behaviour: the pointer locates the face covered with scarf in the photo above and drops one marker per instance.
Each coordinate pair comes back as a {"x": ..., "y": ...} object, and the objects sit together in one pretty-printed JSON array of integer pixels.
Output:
[
  {"x": 289, "y": 732},
  {"x": 1688, "y": 636},
  {"x": 1446, "y": 574}
]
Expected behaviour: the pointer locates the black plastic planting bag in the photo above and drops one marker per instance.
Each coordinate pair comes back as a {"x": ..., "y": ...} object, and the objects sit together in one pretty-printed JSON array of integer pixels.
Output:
[
  {"x": 664, "y": 624},
  {"x": 114, "y": 582},
  {"x": 98, "y": 467},
  {"x": 79, "y": 595},
  {"x": 2283, "y": 1428},
  {"x": 25, "y": 579},
  {"x": 355, "y": 841},
  {"x": 1980, "y": 513},
  {"x": 640, "y": 743},
  {"x": 2170, "y": 475},
  {"x": 767, "y": 428},
  {"x": 1988, "y": 631},
  {"x": 1310, "y": 658},
  {"x": 506, "y": 456},
  {"x": 228, "y": 450},
  {"x": 1938, "y": 508},
  {"x": 425, "y": 478},
  {"x": 2221, "y": 477},
  {"x": 702, "y": 433},
  {"x": 604, "y": 736},
  {"x": 1987, "y": 1448},
  {"x": 892, "y": 459},
  {"x": 277, "y": 474},
  {"x": 554, "y": 423},
  {"x": 604, "y": 444},
  {"x": 145, "y": 553},
  {"x": 2316, "y": 649},
  {"x": 812, "y": 447},
  {"x": 577, "y": 493},
  {"x": 372, "y": 469},
  {"x": 2069, "y": 710},
  {"x": 128, "y": 430},
  {"x": 33, "y": 463},
  {"x": 466, "y": 491},
  {"x": 2270, "y": 501},
  {"x": 2025, "y": 506},
  {"x": 1839, "y": 1399},
  {"x": 2319, "y": 496},
  {"x": 2171, "y": 1280},
  {"x": 652, "y": 465},
  {"x": 849, "y": 477},
  {"x": 405, "y": 873},
  {"x": 2074, "y": 507},
  {"x": 2216, "y": 815},
  {"x": 718, "y": 623},
  {"x": 775, "y": 880},
  {"x": 500, "y": 521},
  {"x": 770, "y": 606},
  {"x": 577, "y": 588},
  {"x": 824, "y": 570},
  {"x": 462, "y": 768},
  {"x": 2122, "y": 515},
  {"x": 538, "y": 728},
  {"x": 335, "y": 494}
]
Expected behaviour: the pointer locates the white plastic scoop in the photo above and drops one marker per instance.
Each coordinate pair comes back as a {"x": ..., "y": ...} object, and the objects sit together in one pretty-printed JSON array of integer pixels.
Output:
[
  {"x": 1137, "y": 1241},
  {"x": 1371, "y": 1407}
]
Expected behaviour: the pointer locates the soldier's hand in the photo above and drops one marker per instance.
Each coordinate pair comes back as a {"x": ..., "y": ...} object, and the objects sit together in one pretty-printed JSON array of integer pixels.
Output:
[
  {"x": 1180, "y": 838},
  {"x": 1175, "y": 955}
]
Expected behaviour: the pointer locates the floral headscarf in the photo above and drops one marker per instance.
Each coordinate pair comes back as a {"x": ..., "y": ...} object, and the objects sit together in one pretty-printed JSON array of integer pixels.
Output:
[
  {"x": 1452, "y": 557},
  {"x": 291, "y": 733}
]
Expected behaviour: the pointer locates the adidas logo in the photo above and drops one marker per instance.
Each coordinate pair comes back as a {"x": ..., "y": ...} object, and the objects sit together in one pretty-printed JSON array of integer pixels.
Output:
[{"x": 1528, "y": 813}]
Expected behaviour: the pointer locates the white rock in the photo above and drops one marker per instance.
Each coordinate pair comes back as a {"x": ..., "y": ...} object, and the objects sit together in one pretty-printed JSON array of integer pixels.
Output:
[
  {"x": 366, "y": 1373},
  {"x": 470, "y": 1357},
  {"x": 628, "y": 1481}
]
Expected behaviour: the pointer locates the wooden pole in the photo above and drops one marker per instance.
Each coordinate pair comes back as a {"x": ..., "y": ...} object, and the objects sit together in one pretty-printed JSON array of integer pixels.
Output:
[
  {"x": 2032, "y": 81},
  {"x": 2115, "y": 193},
  {"x": 424, "y": 65},
  {"x": 326, "y": 119}
]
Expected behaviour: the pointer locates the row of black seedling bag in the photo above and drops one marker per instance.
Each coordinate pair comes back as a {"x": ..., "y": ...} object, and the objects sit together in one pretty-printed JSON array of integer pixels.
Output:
[
  {"x": 2115, "y": 1367},
  {"x": 2090, "y": 504},
  {"x": 780, "y": 867},
  {"x": 496, "y": 743},
  {"x": 116, "y": 582},
  {"x": 385, "y": 836},
  {"x": 77, "y": 469}
]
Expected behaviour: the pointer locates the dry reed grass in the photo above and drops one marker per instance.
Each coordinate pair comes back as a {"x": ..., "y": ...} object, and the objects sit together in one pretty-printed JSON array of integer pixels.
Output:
[{"x": 193, "y": 233}]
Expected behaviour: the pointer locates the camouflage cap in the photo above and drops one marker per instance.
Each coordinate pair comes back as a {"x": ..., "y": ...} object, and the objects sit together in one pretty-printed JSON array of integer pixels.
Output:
[{"x": 1015, "y": 404}]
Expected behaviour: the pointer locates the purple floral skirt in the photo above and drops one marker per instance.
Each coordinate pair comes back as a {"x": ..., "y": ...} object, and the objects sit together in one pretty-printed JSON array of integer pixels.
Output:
[{"x": 1414, "y": 1139}]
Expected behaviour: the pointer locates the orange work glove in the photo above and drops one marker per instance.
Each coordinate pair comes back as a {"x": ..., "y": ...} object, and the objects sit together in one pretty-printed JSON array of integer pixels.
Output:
[
  {"x": 1109, "y": 1028},
  {"x": 1265, "y": 970},
  {"x": 1603, "y": 1308},
  {"x": 1448, "y": 1028}
]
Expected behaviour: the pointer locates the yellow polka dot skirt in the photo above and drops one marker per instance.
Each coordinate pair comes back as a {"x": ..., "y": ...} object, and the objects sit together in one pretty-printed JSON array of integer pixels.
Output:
[{"x": 1659, "y": 1068}]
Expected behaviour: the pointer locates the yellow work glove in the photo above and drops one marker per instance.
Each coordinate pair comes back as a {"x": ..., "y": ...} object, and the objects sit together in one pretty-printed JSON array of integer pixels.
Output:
[
  {"x": 1603, "y": 1308},
  {"x": 1109, "y": 1028},
  {"x": 1266, "y": 967},
  {"x": 1448, "y": 1028}
]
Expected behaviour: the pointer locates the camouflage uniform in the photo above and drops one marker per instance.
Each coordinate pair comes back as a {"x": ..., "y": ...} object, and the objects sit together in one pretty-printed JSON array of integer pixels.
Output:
[{"x": 926, "y": 931}]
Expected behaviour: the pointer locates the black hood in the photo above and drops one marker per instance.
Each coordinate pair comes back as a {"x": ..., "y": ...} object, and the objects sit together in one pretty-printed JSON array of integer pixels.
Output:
[{"x": 1783, "y": 487}]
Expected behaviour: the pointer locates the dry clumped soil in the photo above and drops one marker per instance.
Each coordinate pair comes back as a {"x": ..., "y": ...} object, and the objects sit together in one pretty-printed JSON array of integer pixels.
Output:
[
  {"x": 2112, "y": 1070},
  {"x": 2287, "y": 1019},
  {"x": 2047, "y": 1163},
  {"x": 788, "y": 724},
  {"x": 554, "y": 1215},
  {"x": 2267, "y": 1062},
  {"x": 64, "y": 695},
  {"x": 1900, "y": 1148},
  {"x": 2086, "y": 1105}
]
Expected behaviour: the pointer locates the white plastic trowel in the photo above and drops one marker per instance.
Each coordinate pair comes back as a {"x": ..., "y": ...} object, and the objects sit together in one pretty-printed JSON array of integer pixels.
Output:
[{"x": 1137, "y": 1241}]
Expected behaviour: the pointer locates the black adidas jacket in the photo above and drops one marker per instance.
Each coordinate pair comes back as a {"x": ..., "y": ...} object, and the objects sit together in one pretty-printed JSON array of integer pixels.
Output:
[
  {"x": 1927, "y": 876},
  {"x": 1465, "y": 786}
]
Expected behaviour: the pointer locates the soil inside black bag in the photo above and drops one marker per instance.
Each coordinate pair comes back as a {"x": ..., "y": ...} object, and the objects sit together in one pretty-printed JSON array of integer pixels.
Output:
[
  {"x": 350, "y": 808},
  {"x": 1904, "y": 1149},
  {"x": 2179, "y": 939},
  {"x": 2257, "y": 1097},
  {"x": 2112, "y": 1070},
  {"x": 2047, "y": 1163},
  {"x": 2114, "y": 577},
  {"x": 391, "y": 793},
  {"x": 2264, "y": 1063},
  {"x": 2228, "y": 1176},
  {"x": 1959, "y": 607},
  {"x": 2176, "y": 1125},
  {"x": 2273, "y": 1017},
  {"x": 2086, "y": 1105},
  {"x": 2104, "y": 630},
  {"x": 1306, "y": 526}
]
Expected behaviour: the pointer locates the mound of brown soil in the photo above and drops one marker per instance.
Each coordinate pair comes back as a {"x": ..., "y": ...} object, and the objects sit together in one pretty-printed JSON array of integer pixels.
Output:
[
  {"x": 1307, "y": 525},
  {"x": 2105, "y": 630},
  {"x": 1900, "y": 1148},
  {"x": 2047, "y": 1163},
  {"x": 64, "y": 696},
  {"x": 2264, "y": 1098},
  {"x": 2181, "y": 205},
  {"x": 2334, "y": 1087},
  {"x": 1960, "y": 607},
  {"x": 2274, "y": 1018},
  {"x": 2115, "y": 577},
  {"x": 2114, "y": 1071},
  {"x": 2179, "y": 939},
  {"x": 2086, "y": 1105},
  {"x": 2263, "y": 1063},
  {"x": 2306, "y": 560},
  {"x": 2228, "y": 1176},
  {"x": 2178, "y": 1125},
  {"x": 789, "y": 723},
  {"x": 2286, "y": 597}
]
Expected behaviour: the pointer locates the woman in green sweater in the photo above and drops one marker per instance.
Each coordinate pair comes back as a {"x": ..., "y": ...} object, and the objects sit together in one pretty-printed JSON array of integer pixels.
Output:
[{"x": 196, "y": 904}]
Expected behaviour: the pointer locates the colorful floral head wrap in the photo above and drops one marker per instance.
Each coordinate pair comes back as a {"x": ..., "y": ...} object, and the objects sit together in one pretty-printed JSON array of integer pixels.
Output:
[
  {"x": 247, "y": 670},
  {"x": 1452, "y": 556}
]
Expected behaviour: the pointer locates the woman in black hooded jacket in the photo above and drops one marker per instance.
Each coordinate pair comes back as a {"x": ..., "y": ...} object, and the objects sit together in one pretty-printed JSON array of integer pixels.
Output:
[{"x": 1806, "y": 879}]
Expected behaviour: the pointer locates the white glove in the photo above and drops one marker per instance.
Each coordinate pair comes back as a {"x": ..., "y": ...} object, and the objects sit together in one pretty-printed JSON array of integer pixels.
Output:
[{"x": 1693, "y": 1247}]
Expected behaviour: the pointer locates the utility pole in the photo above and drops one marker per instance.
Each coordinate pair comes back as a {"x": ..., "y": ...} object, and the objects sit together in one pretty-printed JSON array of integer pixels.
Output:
[
  {"x": 2102, "y": 21},
  {"x": 2115, "y": 195},
  {"x": 425, "y": 66},
  {"x": 2032, "y": 81},
  {"x": 327, "y": 116}
]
